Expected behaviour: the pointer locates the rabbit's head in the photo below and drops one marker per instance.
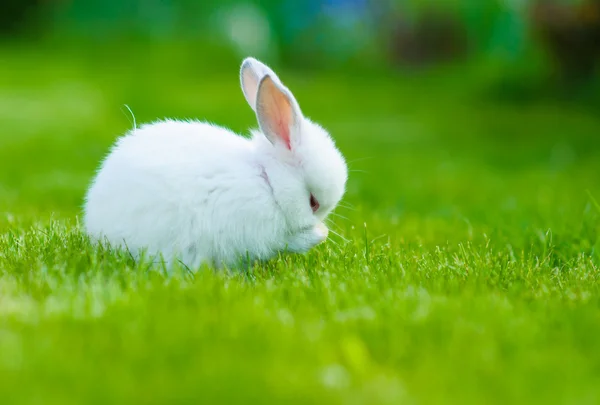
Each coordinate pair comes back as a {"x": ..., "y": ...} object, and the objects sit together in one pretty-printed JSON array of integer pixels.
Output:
[{"x": 306, "y": 171}]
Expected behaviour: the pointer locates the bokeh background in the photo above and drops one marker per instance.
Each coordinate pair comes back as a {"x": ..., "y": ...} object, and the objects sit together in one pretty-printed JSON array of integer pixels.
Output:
[
  {"x": 422, "y": 84},
  {"x": 557, "y": 37}
]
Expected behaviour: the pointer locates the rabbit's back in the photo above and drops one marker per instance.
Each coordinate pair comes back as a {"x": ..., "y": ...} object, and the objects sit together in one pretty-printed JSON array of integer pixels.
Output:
[{"x": 182, "y": 189}]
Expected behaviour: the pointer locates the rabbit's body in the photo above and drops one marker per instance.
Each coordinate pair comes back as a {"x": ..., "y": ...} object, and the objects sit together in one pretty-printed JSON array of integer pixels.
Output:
[
  {"x": 199, "y": 193},
  {"x": 156, "y": 211}
]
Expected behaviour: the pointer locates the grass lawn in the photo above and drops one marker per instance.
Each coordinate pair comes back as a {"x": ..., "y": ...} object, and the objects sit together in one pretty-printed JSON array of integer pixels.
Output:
[{"x": 465, "y": 270}]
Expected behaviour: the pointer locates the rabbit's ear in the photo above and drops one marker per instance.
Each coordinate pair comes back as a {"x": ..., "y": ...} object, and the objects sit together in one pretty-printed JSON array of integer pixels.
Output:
[
  {"x": 277, "y": 112},
  {"x": 251, "y": 73}
]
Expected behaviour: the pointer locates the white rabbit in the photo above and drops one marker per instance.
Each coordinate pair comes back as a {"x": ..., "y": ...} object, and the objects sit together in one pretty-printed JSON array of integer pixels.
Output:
[{"x": 198, "y": 193}]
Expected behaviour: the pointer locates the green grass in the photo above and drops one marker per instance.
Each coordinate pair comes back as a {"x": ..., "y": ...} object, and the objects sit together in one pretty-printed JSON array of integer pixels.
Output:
[{"x": 467, "y": 271}]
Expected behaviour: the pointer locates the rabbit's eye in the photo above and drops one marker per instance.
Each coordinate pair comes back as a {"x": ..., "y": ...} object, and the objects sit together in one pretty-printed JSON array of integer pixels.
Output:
[{"x": 314, "y": 204}]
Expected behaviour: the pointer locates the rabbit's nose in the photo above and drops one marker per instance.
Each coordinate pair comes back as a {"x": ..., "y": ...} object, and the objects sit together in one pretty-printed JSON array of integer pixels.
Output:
[{"x": 323, "y": 230}]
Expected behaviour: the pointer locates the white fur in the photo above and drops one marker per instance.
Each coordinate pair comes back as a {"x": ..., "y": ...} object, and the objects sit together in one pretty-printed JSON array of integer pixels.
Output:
[{"x": 199, "y": 193}]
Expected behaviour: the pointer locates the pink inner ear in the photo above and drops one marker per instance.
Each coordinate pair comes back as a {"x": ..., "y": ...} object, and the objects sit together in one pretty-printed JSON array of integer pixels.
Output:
[
  {"x": 278, "y": 113},
  {"x": 283, "y": 131}
]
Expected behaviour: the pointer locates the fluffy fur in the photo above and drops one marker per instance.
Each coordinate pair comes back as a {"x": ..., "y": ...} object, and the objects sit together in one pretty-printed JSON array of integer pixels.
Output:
[{"x": 199, "y": 193}]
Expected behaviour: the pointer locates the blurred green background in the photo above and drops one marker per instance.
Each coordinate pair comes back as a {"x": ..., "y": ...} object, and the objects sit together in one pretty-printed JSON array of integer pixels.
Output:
[
  {"x": 557, "y": 37},
  {"x": 465, "y": 264},
  {"x": 487, "y": 78}
]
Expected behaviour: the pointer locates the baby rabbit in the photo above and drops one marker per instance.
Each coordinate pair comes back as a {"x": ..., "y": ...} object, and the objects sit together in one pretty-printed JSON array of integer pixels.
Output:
[{"x": 198, "y": 193}]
